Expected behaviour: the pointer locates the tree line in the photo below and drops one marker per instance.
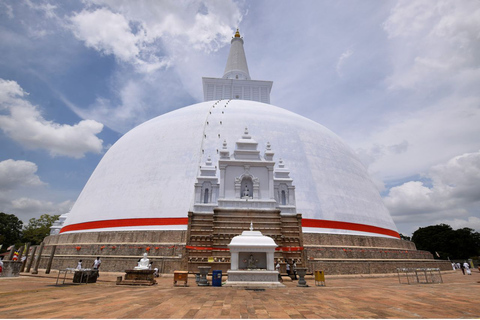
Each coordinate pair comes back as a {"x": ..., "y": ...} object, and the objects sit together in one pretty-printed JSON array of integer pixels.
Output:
[
  {"x": 446, "y": 243},
  {"x": 13, "y": 232}
]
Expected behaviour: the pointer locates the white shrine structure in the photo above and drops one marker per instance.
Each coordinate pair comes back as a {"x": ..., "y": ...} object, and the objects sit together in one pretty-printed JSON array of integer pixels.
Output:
[{"x": 252, "y": 261}]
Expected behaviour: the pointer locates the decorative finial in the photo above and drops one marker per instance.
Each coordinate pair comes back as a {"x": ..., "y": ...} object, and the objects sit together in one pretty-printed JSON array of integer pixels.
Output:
[
  {"x": 237, "y": 34},
  {"x": 209, "y": 161},
  {"x": 245, "y": 134},
  {"x": 269, "y": 146},
  {"x": 224, "y": 144},
  {"x": 251, "y": 225}
]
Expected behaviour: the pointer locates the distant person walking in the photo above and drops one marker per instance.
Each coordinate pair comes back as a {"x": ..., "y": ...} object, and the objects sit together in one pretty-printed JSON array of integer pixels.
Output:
[
  {"x": 462, "y": 266},
  {"x": 277, "y": 267},
  {"x": 295, "y": 269}
]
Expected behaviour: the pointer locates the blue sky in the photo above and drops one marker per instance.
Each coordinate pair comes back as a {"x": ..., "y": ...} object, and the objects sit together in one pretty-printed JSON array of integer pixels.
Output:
[{"x": 397, "y": 80}]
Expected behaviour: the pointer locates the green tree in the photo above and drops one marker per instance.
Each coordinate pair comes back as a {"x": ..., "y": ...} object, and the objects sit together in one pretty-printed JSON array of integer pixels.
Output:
[
  {"x": 38, "y": 229},
  {"x": 10, "y": 230},
  {"x": 448, "y": 243}
]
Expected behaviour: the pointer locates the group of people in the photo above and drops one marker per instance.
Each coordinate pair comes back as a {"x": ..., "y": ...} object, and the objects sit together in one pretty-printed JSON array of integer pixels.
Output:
[
  {"x": 290, "y": 268},
  {"x": 465, "y": 267},
  {"x": 143, "y": 263},
  {"x": 95, "y": 266}
]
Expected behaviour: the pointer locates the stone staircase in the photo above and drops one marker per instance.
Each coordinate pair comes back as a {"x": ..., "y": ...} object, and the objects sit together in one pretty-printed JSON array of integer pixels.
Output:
[{"x": 208, "y": 235}]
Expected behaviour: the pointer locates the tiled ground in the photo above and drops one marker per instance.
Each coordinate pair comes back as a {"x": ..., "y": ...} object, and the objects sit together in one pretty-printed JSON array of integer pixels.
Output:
[{"x": 37, "y": 296}]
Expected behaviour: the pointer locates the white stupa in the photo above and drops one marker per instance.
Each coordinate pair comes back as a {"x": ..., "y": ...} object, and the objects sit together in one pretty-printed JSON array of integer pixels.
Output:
[{"x": 147, "y": 179}]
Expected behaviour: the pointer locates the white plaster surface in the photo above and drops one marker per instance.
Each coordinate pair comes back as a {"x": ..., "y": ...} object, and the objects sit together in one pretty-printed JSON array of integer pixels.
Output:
[{"x": 151, "y": 171}]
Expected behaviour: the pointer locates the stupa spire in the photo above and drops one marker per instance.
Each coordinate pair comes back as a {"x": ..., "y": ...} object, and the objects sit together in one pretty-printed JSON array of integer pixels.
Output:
[
  {"x": 236, "y": 67},
  {"x": 236, "y": 82}
]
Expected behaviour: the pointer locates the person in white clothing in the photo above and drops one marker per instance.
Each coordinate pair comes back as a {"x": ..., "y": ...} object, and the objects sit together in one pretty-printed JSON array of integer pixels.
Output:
[
  {"x": 277, "y": 267},
  {"x": 96, "y": 265},
  {"x": 467, "y": 268}
]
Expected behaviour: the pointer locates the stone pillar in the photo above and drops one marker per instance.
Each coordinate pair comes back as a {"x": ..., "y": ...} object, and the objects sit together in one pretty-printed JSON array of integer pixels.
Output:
[
  {"x": 222, "y": 183},
  {"x": 12, "y": 251},
  {"x": 27, "y": 249},
  {"x": 50, "y": 259},
  {"x": 291, "y": 195},
  {"x": 271, "y": 193},
  {"x": 20, "y": 253},
  {"x": 32, "y": 257},
  {"x": 234, "y": 261},
  {"x": 270, "y": 261},
  {"x": 39, "y": 257}
]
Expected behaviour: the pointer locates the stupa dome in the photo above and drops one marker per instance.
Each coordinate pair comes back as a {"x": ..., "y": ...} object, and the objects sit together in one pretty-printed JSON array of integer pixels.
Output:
[{"x": 145, "y": 181}]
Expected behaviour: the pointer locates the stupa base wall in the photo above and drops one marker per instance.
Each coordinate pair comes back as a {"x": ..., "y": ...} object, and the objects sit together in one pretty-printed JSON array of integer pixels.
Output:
[
  {"x": 119, "y": 251},
  {"x": 334, "y": 254},
  {"x": 342, "y": 267}
]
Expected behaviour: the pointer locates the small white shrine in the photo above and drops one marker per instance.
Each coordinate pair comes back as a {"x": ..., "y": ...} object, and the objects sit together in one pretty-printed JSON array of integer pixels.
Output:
[{"x": 252, "y": 261}]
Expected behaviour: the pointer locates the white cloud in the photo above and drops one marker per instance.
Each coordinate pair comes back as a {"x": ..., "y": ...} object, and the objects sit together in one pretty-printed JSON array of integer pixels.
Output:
[
  {"x": 27, "y": 208},
  {"x": 342, "y": 60},
  {"x": 108, "y": 33},
  {"x": 26, "y": 125},
  {"x": 412, "y": 142},
  {"x": 433, "y": 41},
  {"x": 138, "y": 99},
  {"x": 149, "y": 34},
  {"x": 470, "y": 222},
  {"x": 47, "y": 8},
  {"x": 434, "y": 51},
  {"x": 17, "y": 179},
  {"x": 7, "y": 9},
  {"x": 454, "y": 192},
  {"x": 18, "y": 173}
]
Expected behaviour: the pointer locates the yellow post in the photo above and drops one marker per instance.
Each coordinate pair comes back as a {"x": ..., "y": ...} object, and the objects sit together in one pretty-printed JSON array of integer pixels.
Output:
[{"x": 319, "y": 278}]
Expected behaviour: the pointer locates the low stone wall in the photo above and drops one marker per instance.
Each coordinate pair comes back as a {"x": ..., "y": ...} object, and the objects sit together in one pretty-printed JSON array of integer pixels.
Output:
[
  {"x": 374, "y": 266},
  {"x": 137, "y": 237},
  {"x": 341, "y": 240},
  {"x": 329, "y": 252},
  {"x": 117, "y": 250}
]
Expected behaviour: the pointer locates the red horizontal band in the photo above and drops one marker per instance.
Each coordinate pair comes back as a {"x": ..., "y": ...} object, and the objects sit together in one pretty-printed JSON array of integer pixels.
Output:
[
  {"x": 206, "y": 248},
  {"x": 329, "y": 224},
  {"x": 125, "y": 223},
  {"x": 309, "y": 223}
]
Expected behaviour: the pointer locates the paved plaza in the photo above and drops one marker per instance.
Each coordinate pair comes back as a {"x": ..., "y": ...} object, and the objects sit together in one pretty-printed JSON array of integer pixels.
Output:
[{"x": 37, "y": 296}]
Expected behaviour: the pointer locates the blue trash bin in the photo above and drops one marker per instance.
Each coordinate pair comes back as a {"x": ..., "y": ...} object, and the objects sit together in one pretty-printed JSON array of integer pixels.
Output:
[{"x": 217, "y": 278}]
